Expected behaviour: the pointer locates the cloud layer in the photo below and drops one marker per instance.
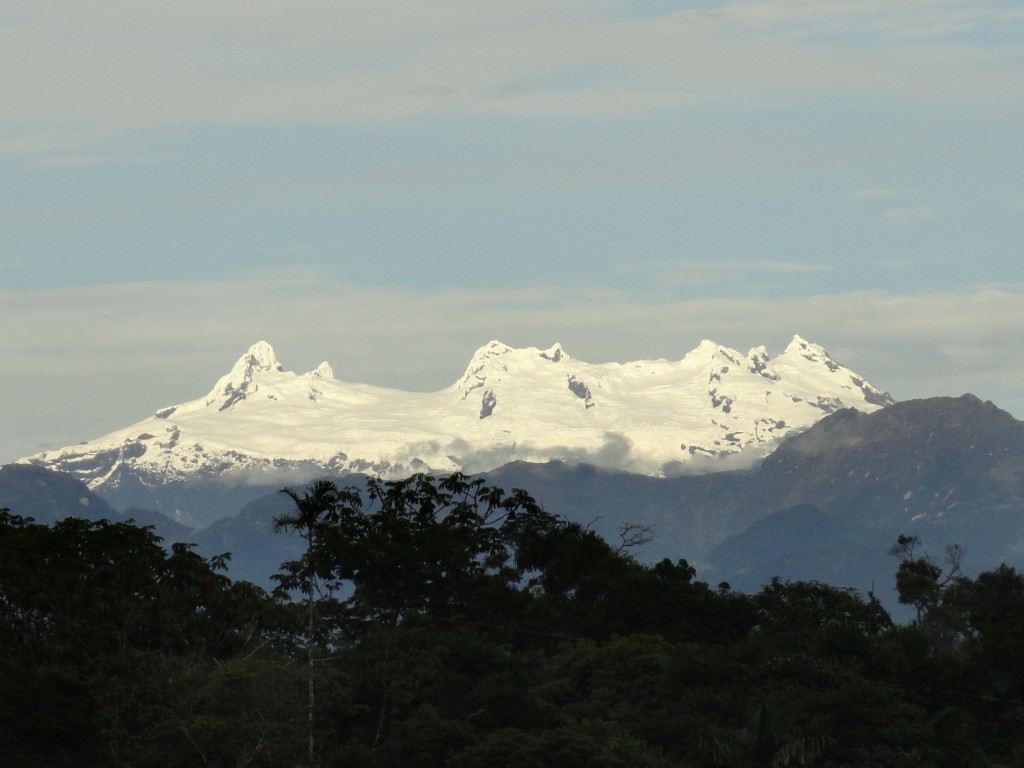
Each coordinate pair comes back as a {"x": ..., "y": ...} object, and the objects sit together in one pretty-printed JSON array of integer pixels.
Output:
[{"x": 110, "y": 65}]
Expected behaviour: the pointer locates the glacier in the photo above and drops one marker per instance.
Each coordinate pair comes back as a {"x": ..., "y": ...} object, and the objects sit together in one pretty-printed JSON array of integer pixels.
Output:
[{"x": 714, "y": 408}]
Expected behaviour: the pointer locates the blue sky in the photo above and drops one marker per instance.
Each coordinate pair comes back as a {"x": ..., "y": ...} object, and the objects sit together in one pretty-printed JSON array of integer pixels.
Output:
[{"x": 390, "y": 185}]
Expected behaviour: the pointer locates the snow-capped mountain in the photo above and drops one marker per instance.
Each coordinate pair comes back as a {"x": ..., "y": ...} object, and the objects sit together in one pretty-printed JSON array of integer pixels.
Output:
[
  {"x": 656, "y": 417},
  {"x": 652, "y": 417}
]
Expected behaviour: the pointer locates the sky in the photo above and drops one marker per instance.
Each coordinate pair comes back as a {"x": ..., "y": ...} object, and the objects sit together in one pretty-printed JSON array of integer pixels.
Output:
[{"x": 390, "y": 185}]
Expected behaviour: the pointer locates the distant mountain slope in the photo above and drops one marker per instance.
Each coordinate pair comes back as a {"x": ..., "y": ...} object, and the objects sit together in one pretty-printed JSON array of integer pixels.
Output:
[
  {"x": 950, "y": 470},
  {"x": 262, "y": 426},
  {"x": 257, "y": 550},
  {"x": 826, "y": 505},
  {"x": 47, "y": 495}
]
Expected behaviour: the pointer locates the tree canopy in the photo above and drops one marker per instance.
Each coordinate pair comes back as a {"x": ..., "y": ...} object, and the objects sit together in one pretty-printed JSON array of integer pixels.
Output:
[{"x": 445, "y": 622}]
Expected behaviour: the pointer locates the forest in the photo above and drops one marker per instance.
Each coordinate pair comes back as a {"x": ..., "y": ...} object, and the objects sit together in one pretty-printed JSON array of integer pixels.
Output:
[{"x": 441, "y": 621}]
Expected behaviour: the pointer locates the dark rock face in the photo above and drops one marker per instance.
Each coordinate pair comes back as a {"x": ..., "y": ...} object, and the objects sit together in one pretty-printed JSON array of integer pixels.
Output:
[
  {"x": 828, "y": 503},
  {"x": 937, "y": 462},
  {"x": 579, "y": 388},
  {"x": 487, "y": 403}
]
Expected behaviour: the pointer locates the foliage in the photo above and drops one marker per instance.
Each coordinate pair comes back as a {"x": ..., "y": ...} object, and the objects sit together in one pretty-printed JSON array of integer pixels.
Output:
[{"x": 441, "y": 621}]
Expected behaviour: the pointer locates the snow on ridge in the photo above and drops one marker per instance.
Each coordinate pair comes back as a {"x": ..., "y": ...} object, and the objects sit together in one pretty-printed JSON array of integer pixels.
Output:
[
  {"x": 237, "y": 384},
  {"x": 650, "y": 416},
  {"x": 323, "y": 371}
]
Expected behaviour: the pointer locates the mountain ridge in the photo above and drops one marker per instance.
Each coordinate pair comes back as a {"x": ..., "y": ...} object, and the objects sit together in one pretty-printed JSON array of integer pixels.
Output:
[
  {"x": 826, "y": 505},
  {"x": 262, "y": 424}
]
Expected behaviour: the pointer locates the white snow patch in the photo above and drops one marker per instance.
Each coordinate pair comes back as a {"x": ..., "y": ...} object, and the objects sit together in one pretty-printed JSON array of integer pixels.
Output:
[{"x": 713, "y": 400}]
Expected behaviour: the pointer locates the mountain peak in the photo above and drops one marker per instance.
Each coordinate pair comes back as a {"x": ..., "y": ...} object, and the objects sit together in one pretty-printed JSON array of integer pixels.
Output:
[
  {"x": 809, "y": 351},
  {"x": 803, "y": 355},
  {"x": 554, "y": 353},
  {"x": 759, "y": 362},
  {"x": 238, "y": 384},
  {"x": 260, "y": 357},
  {"x": 493, "y": 348},
  {"x": 803, "y": 346},
  {"x": 475, "y": 374},
  {"x": 713, "y": 352},
  {"x": 323, "y": 371}
]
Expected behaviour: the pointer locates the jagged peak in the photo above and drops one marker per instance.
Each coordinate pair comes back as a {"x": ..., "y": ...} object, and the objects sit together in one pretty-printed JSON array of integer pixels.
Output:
[
  {"x": 759, "y": 362},
  {"x": 555, "y": 353},
  {"x": 323, "y": 371},
  {"x": 801, "y": 350},
  {"x": 705, "y": 349},
  {"x": 474, "y": 375},
  {"x": 259, "y": 357},
  {"x": 493, "y": 348},
  {"x": 814, "y": 353},
  {"x": 710, "y": 350},
  {"x": 802, "y": 346},
  {"x": 237, "y": 383},
  {"x": 488, "y": 364}
]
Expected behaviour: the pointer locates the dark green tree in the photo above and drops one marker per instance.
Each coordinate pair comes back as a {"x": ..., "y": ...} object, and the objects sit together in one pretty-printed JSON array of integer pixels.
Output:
[
  {"x": 422, "y": 544},
  {"x": 441, "y": 547},
  {"x": 100, "y": 616},
  {"x": 925, "y": 585},
  {"x": 317, "y": 509}
]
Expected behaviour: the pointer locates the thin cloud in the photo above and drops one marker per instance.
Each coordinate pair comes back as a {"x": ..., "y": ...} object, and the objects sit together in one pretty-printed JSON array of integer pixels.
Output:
[
  {"x": 872, "y": 193},
  {"x": 915, "y": 213},
  {"x": 343, "y": 62},
  {"x": 892, "y": 263},
  {"x": 697, "y": 272},
  {"x": 775, "y": 14},
  {"x": 43, "y": 140},
  {"x": 783, "y": 267},
  {"x": 72, "y": 161},
  {"x": 883, "y": 20}
]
